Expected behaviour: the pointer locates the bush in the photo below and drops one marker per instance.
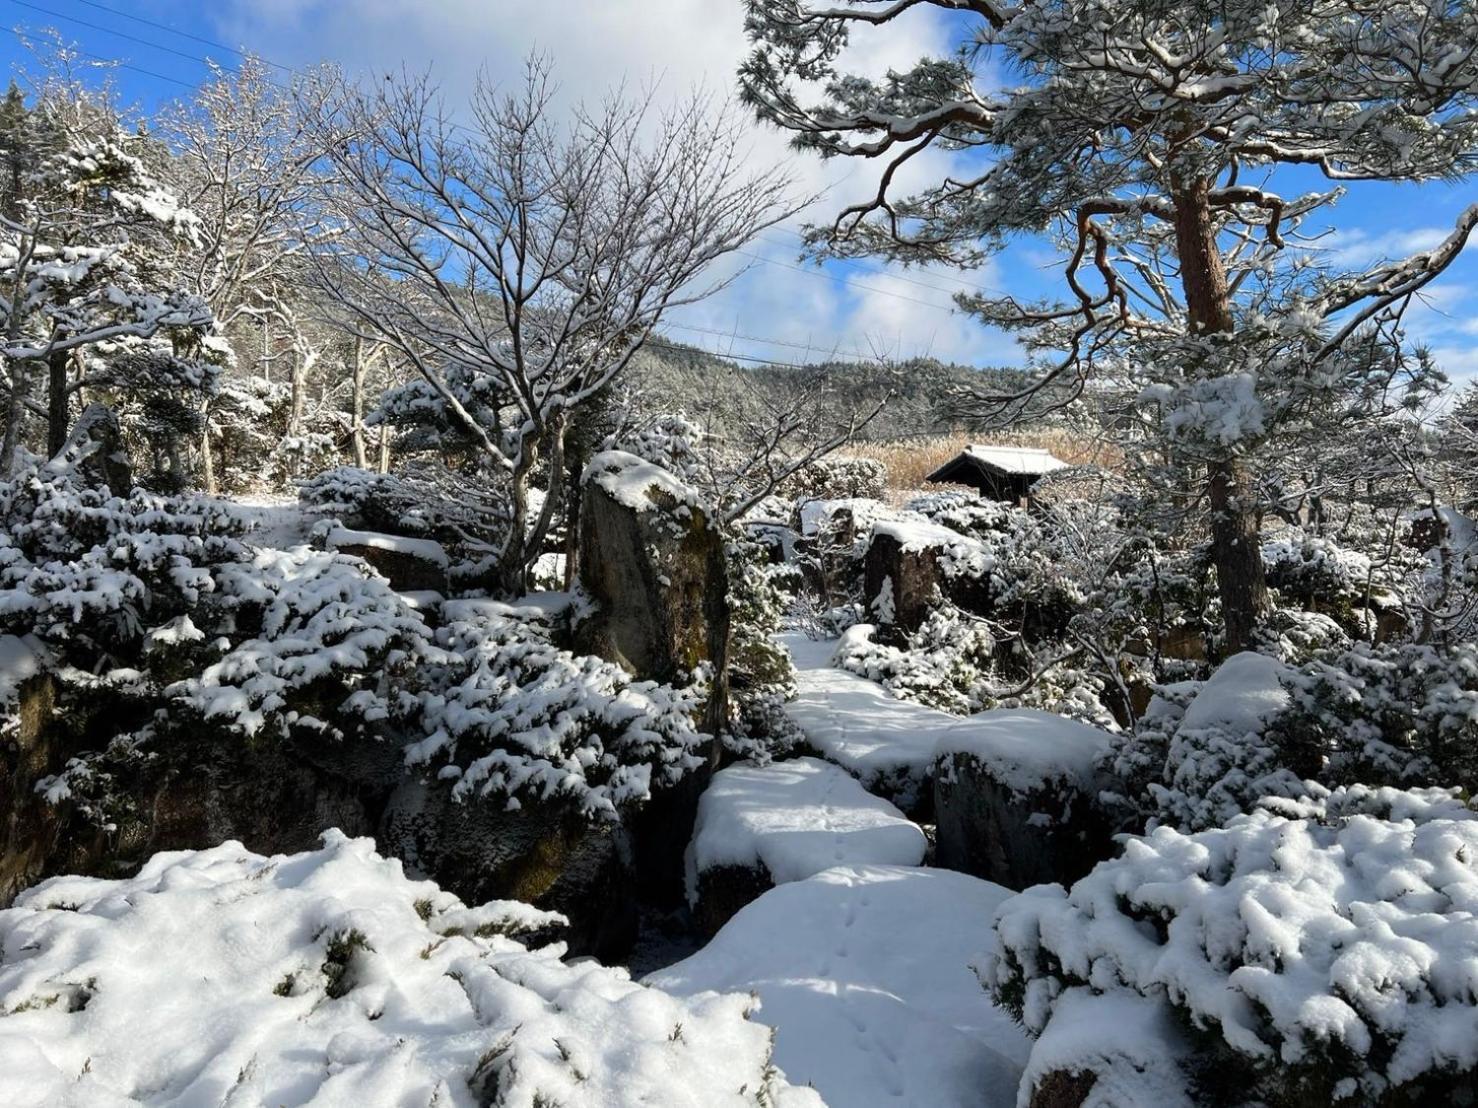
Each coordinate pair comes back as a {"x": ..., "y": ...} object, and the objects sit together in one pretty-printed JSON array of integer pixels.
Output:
[
  {"x": 330, "y": 977},
  {"x": 1323, "y": 952},
  {"x": 838, "y": 478},
  {"x": 506, "y": 715},
  {"x": 1393, "y": 714}
]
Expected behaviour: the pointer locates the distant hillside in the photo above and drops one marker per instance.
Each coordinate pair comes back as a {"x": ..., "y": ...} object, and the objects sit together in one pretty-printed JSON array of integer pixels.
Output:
[{"x": 675, "y": 377}]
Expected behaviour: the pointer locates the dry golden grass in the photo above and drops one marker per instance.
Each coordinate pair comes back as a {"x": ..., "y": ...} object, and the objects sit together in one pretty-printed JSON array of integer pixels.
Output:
[{"x": 910, "y": 461}]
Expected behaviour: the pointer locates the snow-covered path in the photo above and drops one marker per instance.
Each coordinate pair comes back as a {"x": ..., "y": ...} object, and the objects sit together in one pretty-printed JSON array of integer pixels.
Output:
[
  {"x": 865, "y": 974},
  {"x": 859, "y": 725},
  {"x": 863, "y": 969}
]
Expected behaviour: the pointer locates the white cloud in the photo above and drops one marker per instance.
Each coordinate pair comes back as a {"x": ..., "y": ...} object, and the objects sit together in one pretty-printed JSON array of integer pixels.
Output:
[{"x": 683, "y": 44}]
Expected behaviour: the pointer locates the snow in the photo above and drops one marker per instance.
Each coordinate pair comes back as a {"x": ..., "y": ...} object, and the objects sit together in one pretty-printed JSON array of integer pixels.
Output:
[
  {"x": 427, "y": 550},
  {"x": 1029, "y": 750},
  {"x": 859, "y": 725},
  {"x": 21, "y": 658},
  {"x": 631, "y": 481},
  {"x": 816, "y": 515},
  {"x": 796, "y": 818},
  {"x": 865, "y": 974},
  {"x": 1129, "y": 1043},
  {"x": 1022, "y": 460},
  {"x": 1343, "y": 941},
  {"x": 1241, "y": 696},
  {"x": 221, "y": 976}
]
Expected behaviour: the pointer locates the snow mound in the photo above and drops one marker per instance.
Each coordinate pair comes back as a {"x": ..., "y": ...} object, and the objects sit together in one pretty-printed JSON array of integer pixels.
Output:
[
  {"x": 864, "y": 972},
  {"x": 796, "y": 818},
  {"x": 631, "y": 482},
  {"x": 1128, "y": 1043},
  {"x": 1028, "y": 750},
  {"x": 1337, "y": 955},
  {"x": 1242, "y": 695},
  {"x": 220, "y": 976}
]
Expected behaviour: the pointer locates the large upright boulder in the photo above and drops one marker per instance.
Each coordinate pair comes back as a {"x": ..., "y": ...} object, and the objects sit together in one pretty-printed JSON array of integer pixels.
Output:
[
  {"x": 652, "y": 561},
  {"x": 95, "y": 447},
  {"x": 912, "y": 563},
  {"x": 411, "y": 565},
  {"x": 1014, "y": 793},
  {"x": 652, "y": 564}
]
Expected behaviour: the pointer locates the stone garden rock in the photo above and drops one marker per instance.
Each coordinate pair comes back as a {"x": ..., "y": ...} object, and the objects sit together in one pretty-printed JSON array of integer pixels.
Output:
[{"x": 1014, "y": 797}]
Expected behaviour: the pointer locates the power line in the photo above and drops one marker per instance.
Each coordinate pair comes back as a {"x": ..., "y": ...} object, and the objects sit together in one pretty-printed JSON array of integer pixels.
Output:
[
  {"x": 680, "y": 349},
  {"x": 735, "y": 335},
  {"x": 182, "y": 34},
  {"x": 108, "y": 30}
]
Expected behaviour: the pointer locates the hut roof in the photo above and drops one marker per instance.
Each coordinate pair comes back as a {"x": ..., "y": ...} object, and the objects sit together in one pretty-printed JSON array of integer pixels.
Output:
[{"x": 1013, "y": 461}]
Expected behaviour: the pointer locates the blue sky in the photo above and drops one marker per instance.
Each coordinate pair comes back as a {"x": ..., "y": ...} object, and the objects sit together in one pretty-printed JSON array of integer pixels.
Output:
[{"x": 776, "y": 309}]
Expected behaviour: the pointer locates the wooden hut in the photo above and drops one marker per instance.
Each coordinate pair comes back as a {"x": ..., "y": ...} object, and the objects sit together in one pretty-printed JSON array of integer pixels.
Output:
[{"x": 1000, "y": 472}]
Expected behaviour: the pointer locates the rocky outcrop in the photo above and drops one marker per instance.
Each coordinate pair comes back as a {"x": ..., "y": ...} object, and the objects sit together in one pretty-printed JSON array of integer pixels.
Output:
[
  {"x": 652, "y": 564},
  {"x": 652, "y": 561},
  {"x": 1014, "y": 799},
  {"x": 95, "y": 447},
  {"x": 410, "y": 565},
  {"x": 540, "y": 854},
  {"x": 911, "y": 565}
]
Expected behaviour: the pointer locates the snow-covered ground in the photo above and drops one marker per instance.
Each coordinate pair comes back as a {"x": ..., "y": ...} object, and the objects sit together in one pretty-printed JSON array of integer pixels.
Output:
[
  {"x": 797, "y": 818},
  {"x": 865, "y": 972},
  {"x": 276, "y": 519}
]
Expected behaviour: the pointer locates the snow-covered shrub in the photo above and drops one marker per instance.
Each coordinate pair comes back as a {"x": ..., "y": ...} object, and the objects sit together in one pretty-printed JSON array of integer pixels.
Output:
[
  {"x": 223, "y": 976},
  {"x": 947, "y": 663},
  {"x": 1222, "y": 758},
  {"x": 835, "y": 478},
  {"x": 1395, "y": 714},
  {"x": 761, "y": 675},
  {"x": 1327, "y": 956},
  {"x": 310, "y": 628},
  {"x": 508, "y": 716},
  {"x": 422, "y": 500},
  {"x": 672, "y": 441}
]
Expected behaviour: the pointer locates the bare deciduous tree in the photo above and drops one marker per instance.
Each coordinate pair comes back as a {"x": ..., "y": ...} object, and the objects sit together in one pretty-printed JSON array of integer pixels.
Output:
[{"x": 518, "y": 264}]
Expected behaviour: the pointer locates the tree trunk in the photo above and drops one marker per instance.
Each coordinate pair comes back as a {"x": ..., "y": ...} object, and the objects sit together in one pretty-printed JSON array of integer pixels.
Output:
[
  {"x": 58, "y": 421},
  {"x": 298, "y": 400},
  {"x": 512, "y": 558},
  {"x": 356, "y": 404},
  {"x": 15, "y": 413},
  {"x": 207, "y": 463},
  {"x": 1241, "y": 580},
  {"x": 384, "y": 466}
]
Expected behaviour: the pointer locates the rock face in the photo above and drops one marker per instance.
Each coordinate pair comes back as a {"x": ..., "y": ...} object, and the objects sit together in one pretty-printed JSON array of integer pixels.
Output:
[
  {"x": 1013, "y": 799},
  {"x": 909, "y": 567},
  {"x": 540, "y": 855},
  {"x": 653, "y": 562},
  {"x": 410, "y": 565},
  {"x": 96, "y": 447},
  {"x": 28, "y": 826}
]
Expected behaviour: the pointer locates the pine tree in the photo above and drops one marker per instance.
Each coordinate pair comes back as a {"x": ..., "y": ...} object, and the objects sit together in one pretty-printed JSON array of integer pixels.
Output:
[{"x": 1146, "y": 137}]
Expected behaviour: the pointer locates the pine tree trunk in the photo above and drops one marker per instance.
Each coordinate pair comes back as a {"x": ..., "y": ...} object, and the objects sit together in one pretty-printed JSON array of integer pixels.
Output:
[
  {"x": 207, "y": 463},
  {"x": 1241, "y": 579},
  {"x": 58, "y": 421}
]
